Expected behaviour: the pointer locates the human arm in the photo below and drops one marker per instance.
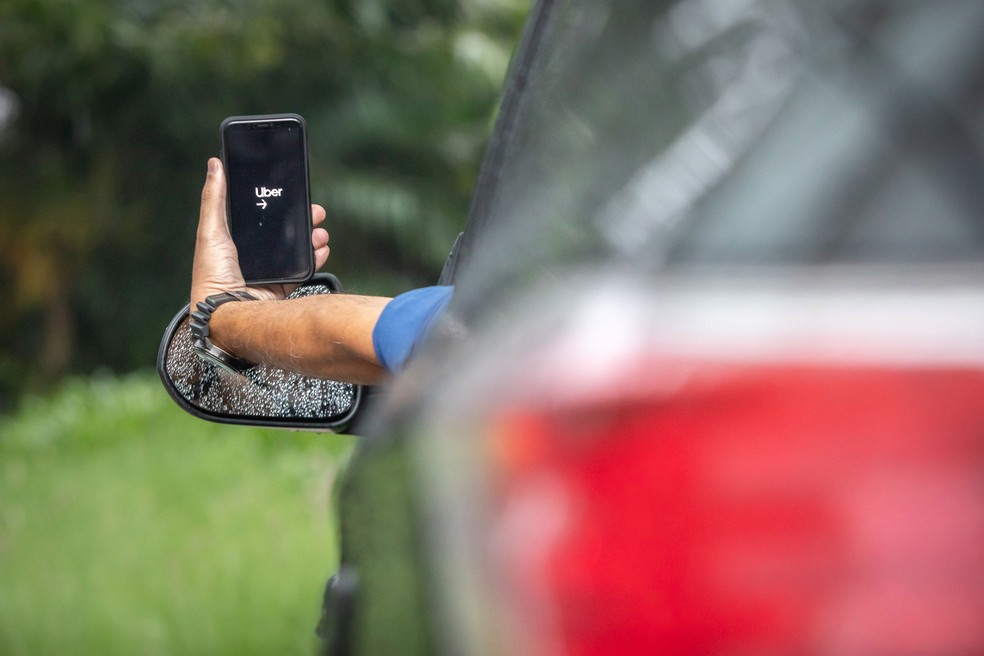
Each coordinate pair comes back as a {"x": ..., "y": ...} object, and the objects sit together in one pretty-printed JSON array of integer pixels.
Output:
[
  {"x": 328, "y": 336},
  {"x": 325, "y": 336}
]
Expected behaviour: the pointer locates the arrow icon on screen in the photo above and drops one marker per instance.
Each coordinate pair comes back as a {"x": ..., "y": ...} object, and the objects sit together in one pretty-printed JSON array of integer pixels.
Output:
[{"x": 262, "y": 204}]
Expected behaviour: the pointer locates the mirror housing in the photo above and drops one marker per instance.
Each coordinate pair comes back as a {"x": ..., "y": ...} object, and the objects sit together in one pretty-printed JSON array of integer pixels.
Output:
[{"x": 263, "y": 396}]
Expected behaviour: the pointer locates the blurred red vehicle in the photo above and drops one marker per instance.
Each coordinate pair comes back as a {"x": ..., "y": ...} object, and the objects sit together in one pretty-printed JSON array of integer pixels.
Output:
[
  {"x": 722, "y": 390},
  {"x": 721, "y": 485}
]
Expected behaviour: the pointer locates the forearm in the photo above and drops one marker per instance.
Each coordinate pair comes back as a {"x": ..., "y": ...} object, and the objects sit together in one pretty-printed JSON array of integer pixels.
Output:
[{"x": 326, "y": 336}]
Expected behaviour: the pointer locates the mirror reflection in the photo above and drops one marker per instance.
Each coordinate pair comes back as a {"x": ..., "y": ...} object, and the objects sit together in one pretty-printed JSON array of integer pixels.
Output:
[{"x": 262, "y": 392}]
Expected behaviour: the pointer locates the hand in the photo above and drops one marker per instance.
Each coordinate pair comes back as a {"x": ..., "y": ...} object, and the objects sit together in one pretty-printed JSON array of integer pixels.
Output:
[{"x": 216, "y": 268}]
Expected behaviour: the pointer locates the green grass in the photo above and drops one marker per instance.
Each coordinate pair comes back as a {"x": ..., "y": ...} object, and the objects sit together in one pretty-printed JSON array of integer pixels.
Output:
[{"x": 128, "y": 527}]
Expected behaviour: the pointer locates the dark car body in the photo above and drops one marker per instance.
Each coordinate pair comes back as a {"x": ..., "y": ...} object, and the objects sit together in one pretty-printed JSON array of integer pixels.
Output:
[{"x": 713, "y": 377}]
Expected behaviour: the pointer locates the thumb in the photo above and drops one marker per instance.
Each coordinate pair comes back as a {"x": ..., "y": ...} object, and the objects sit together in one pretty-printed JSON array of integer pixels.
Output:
[{"x": 212, "y": 218}]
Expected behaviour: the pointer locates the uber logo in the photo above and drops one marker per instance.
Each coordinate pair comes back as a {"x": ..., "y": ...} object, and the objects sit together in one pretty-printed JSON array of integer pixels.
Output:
[{"x": 263, "y": 193}]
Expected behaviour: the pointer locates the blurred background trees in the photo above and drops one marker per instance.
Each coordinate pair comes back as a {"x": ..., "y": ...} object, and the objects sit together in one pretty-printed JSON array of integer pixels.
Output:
[{"x": 109, "y": 109}]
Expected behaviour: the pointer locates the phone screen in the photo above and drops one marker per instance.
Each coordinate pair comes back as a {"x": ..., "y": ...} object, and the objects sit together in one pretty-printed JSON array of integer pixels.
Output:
[{"x": 269, "y": 200}]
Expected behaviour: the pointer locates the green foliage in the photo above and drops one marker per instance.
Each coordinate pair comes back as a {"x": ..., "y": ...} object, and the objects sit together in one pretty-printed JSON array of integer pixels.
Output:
[
  {"x": 127, "y": 527},
  {"x": 112, "y": 107}
]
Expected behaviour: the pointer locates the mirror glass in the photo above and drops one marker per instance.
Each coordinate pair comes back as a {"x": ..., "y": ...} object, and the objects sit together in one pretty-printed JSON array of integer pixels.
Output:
[{"x": 263, "y": 395}]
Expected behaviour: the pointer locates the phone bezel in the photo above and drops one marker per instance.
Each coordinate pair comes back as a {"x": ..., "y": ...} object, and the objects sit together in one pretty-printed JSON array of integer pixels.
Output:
[{"x": 261, "y": 120}]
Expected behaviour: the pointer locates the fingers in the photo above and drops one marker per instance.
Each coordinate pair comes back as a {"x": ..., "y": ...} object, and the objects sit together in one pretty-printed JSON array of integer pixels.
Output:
[
  {"x": 320, "y": 257},
  {"x": 211, "y": 219},
  {"x": 319, "y": 239}
]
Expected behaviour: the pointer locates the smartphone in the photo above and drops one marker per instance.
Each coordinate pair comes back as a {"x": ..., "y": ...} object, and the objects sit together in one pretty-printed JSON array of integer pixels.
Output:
[{"x": 268, "y": 196}]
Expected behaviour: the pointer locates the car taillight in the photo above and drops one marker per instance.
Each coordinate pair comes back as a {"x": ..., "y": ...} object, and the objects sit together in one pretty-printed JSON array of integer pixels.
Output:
[{"x": 747, "y": 509}]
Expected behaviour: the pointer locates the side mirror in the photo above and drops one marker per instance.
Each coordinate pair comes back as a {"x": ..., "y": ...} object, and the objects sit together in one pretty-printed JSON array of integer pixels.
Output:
[{"x": 263, "y": 396}]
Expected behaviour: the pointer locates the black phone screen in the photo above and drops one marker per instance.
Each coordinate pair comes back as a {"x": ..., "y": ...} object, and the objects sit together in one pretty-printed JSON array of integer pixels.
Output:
[{"x": 269, "y": 200}]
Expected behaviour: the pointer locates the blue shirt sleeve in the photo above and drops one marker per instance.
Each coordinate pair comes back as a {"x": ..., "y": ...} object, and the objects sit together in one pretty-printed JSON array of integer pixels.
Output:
[{"x": 404, "y": 323}]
